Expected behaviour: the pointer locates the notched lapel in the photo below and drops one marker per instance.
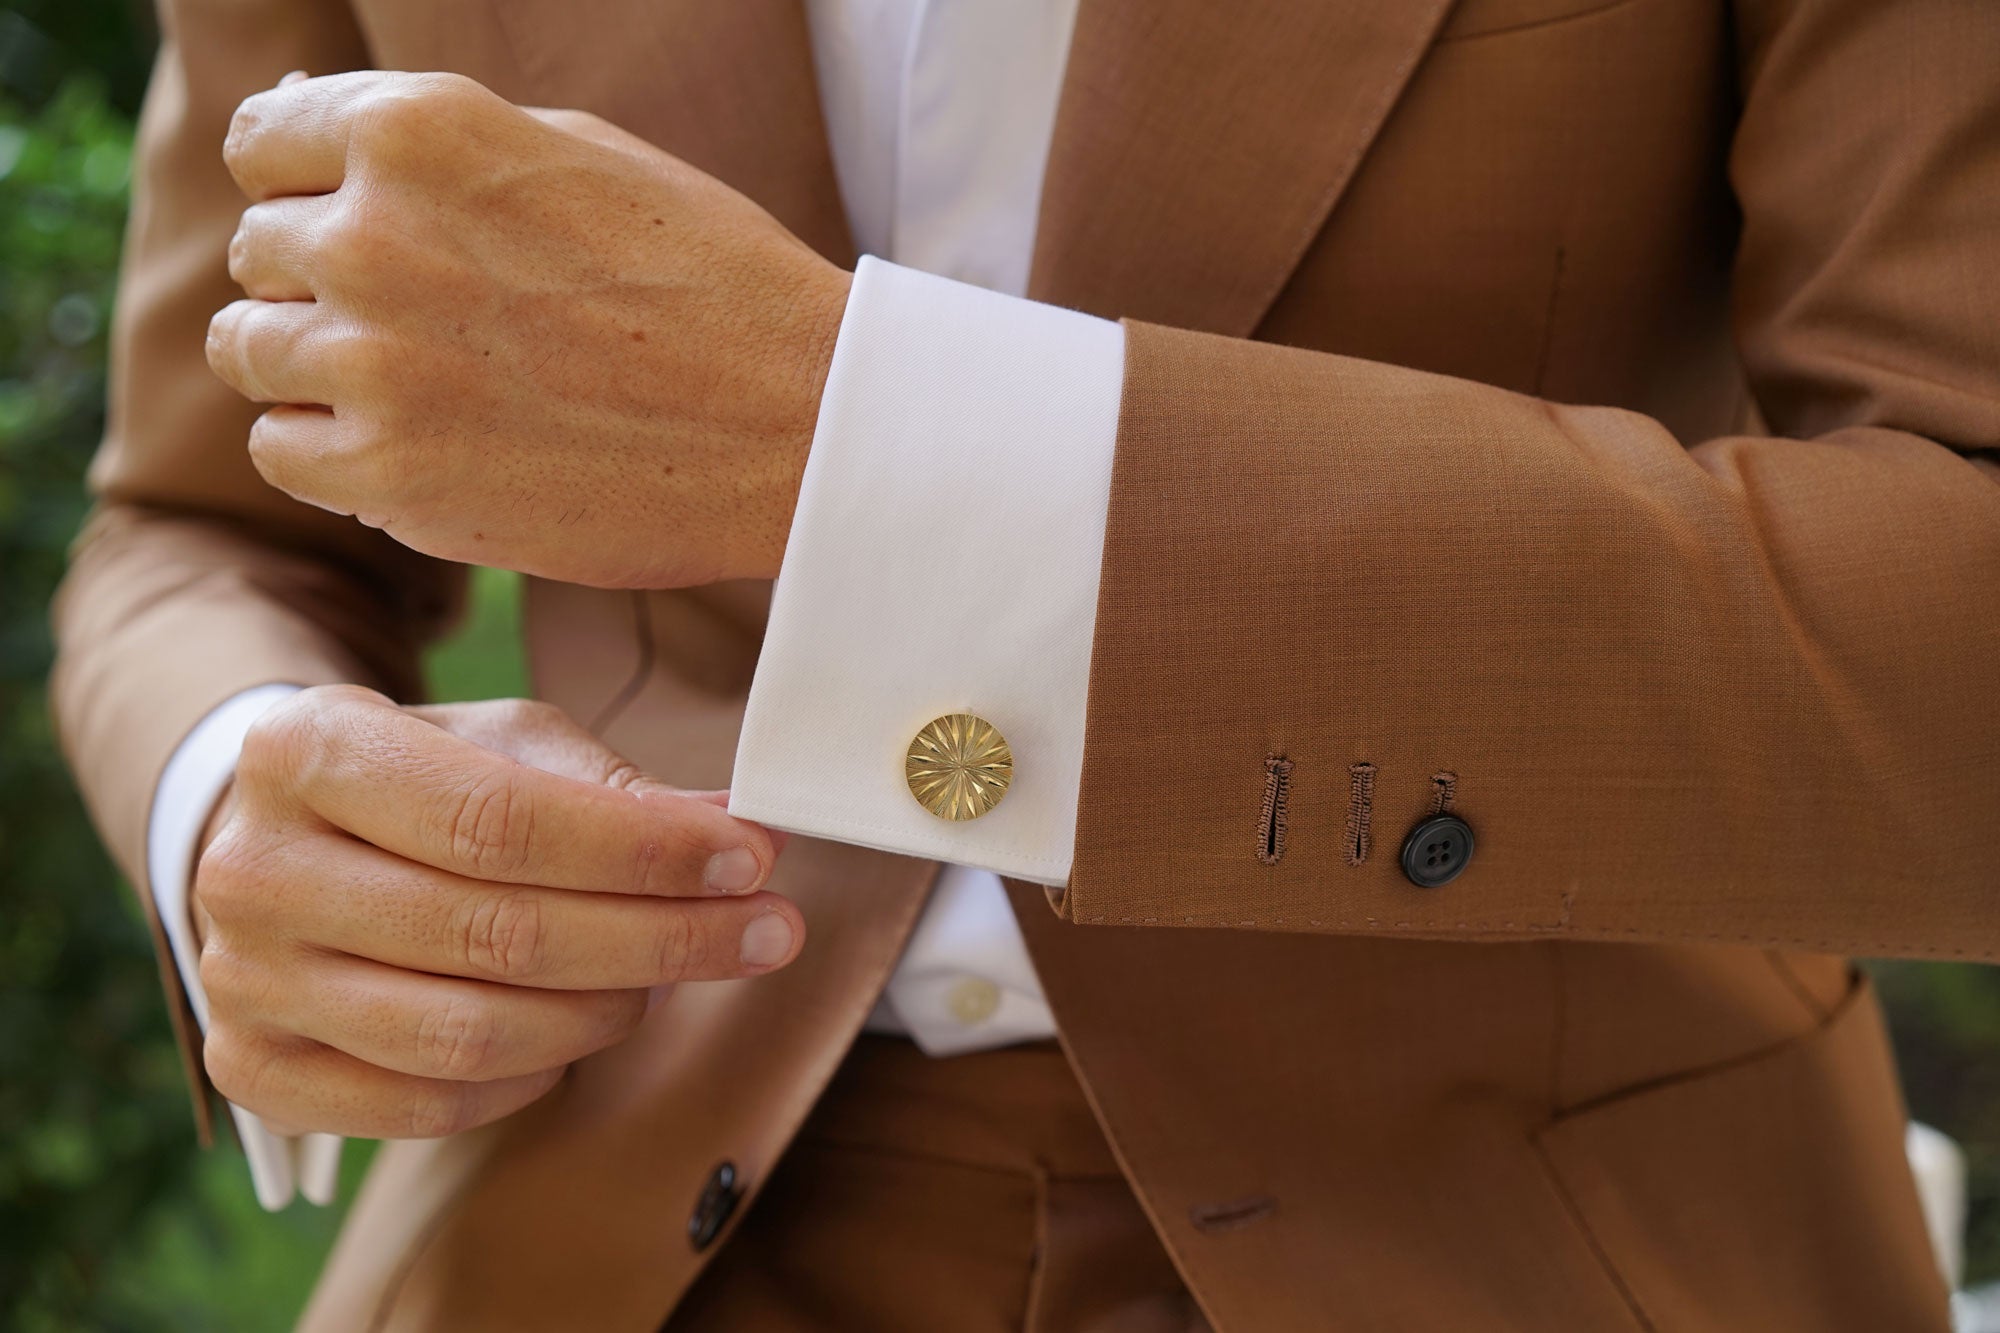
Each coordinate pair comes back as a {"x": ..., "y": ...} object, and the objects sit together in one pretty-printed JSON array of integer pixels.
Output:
[
  {"x": 726, "y": 85},
  {"x": 1200, "y": 147}
]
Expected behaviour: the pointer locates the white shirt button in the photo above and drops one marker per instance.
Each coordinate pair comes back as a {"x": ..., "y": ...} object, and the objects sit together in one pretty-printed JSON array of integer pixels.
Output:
[{"x": 972, "y": 1000}]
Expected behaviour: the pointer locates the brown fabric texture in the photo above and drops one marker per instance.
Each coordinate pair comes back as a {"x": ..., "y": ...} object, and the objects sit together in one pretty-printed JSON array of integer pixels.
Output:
[
  {"x": 1593, "y": 400},
  {"x": 973, "y": 1194}
]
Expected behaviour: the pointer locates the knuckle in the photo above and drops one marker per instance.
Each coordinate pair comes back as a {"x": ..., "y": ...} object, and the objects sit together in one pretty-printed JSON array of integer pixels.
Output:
[
  {"x": 225, "y": 328},
  {"x": 448, "y": 91},
  {"x": 528, "y": 714},
  {"x": 349, "y": 241},
  {"x": 357, "y": 355},
  {"x": 369, "y": 453},
  {"x": 505, "y": 936},
  {"x": 294, "y": 744},
  {"x": 384, "y": 124},
  {"x": 436, "y": 1112},
  {"x": 239, "y": 1065},
  {"x": 369, "y": 368},
  {"x": 405, "y": 112},
  {"x": 492, "y": 826},
  {"x": 624, "y": 775},
  {"x": 288, "y": 743},
  {"x": 239, "y": 256},
  {"x": 660, "y": 859},
  {"x": 224, "y": 878},
  {"x": 244, "y": 126},
  {"x": 223, "y": 977},
  {"x": 620, "y": 1017},
  {"x": 681, "y": 949},
  {"x": 381, "y": 484},
  {"x": 458, "y": 1039}
]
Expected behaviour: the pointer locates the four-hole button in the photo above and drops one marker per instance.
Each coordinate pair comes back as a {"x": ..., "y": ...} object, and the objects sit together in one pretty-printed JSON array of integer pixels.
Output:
[{"x": 1437, "y": 851}]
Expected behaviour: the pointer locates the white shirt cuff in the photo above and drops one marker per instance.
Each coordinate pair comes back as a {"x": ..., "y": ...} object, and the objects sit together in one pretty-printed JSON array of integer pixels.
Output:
[
  {"x": 195, "y": 777},
  {"x": 944, "y": 559}
]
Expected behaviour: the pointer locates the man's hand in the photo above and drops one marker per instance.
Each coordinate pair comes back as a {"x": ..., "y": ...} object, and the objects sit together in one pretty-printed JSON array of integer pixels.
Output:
[
  {"x": 523, "y": 339},
  {"x": 413, "y": 920}
]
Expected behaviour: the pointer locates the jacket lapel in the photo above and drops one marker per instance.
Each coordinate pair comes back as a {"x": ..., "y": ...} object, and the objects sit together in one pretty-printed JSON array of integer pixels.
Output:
[
  {"x": 728, "y": 87},
  {"x": 1200, "y": 147}
]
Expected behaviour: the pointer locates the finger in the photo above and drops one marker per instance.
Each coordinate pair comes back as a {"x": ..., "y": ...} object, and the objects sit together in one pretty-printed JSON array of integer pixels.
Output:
[
  {"x": 293, "y": 447},
  {"x": 270, "y": 256},
  {"x": 273, "y": 351},
  {"x": 546, "y": 737},
  {"x": 447, "y": 1027},
  {"x": 543, "y": 736},
  {"x": 405, "y": 785},
  {"x": 720, "y": 800},
  {"x": 293, "y": 138},
  {"x": 356, "y": 899},
  {"x": 305, "y": 1087}
]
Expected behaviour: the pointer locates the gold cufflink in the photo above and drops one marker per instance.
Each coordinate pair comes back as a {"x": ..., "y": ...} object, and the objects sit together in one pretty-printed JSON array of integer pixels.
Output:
[{"x": 959, "y": 766}]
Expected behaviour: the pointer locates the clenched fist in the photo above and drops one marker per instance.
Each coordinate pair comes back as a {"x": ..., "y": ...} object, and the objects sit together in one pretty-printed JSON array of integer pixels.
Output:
[
  {"x": 413, "y": 919},
  {"x": 521, "y": 339}
]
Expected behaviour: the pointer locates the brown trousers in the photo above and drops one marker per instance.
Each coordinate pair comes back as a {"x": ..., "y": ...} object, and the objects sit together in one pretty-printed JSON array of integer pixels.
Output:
[{"x": 974, "y": 1194}]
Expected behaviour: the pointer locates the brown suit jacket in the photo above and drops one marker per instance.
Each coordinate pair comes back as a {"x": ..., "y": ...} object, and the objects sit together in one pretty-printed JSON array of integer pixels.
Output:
[{"x": 1710, "y": 654}]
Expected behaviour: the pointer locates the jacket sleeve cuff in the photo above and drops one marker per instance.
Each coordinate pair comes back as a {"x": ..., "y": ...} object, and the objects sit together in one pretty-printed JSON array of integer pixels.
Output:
[{"x": 944, "y": 559}]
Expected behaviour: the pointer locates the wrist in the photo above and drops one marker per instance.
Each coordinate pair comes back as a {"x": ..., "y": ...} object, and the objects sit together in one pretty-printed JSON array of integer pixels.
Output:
[{"x": 820, "y": 311}]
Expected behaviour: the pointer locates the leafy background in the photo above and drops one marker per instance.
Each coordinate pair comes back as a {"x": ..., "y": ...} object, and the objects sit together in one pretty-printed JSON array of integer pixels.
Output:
[{"x": 110, "y": 1218}]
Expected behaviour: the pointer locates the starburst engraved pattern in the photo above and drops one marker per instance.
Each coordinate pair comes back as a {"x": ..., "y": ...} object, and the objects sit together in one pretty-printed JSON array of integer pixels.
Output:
[{"x": 959, "y": 767}]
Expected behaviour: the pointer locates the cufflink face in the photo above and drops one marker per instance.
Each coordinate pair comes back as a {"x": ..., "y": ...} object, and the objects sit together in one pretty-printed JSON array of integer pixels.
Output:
[{"x": 959, "y": 767}]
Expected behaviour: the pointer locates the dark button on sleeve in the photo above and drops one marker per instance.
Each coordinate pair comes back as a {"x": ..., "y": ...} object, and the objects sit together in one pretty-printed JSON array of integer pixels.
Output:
[
  {"x": 1437, "y": 850},
  {"x": 718, "y": 1200}
]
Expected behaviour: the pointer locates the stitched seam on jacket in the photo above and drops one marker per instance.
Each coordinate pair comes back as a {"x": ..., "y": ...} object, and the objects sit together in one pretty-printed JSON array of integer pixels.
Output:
[
  {"x": 1356, "y": 925},
  {"x": 1590, "y": 1240},
  {"x": 1530, "y": 25},
  {"x": 1646, "y": 1087},
  {"x": 1788, "y": 976}
]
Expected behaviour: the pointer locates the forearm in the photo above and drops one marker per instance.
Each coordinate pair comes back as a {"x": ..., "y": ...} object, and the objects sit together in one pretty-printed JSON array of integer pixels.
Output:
[{"x": 1739, "y": 692}]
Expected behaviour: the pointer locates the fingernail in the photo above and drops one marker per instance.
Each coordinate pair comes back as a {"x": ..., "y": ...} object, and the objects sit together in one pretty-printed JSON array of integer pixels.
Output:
[
  {"x": 733, "y": 871},
  {"x": 767, "y": 940}
]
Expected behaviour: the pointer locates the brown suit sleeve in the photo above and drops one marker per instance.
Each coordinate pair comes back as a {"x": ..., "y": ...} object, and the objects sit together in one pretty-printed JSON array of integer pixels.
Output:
[
  {"x": 194, "y": 580},
  {"x": 1743, "y": 691}
]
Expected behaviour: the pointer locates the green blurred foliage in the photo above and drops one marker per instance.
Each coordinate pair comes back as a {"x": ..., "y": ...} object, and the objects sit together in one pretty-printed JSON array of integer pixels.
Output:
[{"x": 109, "y": 1216}]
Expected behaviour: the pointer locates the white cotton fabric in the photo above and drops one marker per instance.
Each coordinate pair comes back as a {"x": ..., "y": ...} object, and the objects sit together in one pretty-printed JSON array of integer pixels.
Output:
[{"x": 944, "y": 560}]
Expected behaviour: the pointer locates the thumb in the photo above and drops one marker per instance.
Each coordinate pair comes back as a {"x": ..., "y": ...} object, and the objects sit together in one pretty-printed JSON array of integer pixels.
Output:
[
  {"x": 544, "y": 736},
  {"x": 720, "y": 800}
]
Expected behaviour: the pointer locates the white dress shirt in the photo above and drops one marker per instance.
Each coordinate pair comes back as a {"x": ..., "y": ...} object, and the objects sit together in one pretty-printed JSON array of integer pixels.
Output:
[{"x": 949, "y": 531}]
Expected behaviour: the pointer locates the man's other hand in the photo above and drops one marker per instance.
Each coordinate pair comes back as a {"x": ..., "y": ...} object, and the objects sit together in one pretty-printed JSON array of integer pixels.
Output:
[
  {"x": 413, "y": 919},
  {"x": 519, "y": 338}
]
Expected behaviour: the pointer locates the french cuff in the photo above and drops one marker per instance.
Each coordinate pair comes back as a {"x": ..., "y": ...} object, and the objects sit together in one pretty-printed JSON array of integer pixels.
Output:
[
  {"x": 194, "y": 779},
  {"x": 943, "y": 563}
]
